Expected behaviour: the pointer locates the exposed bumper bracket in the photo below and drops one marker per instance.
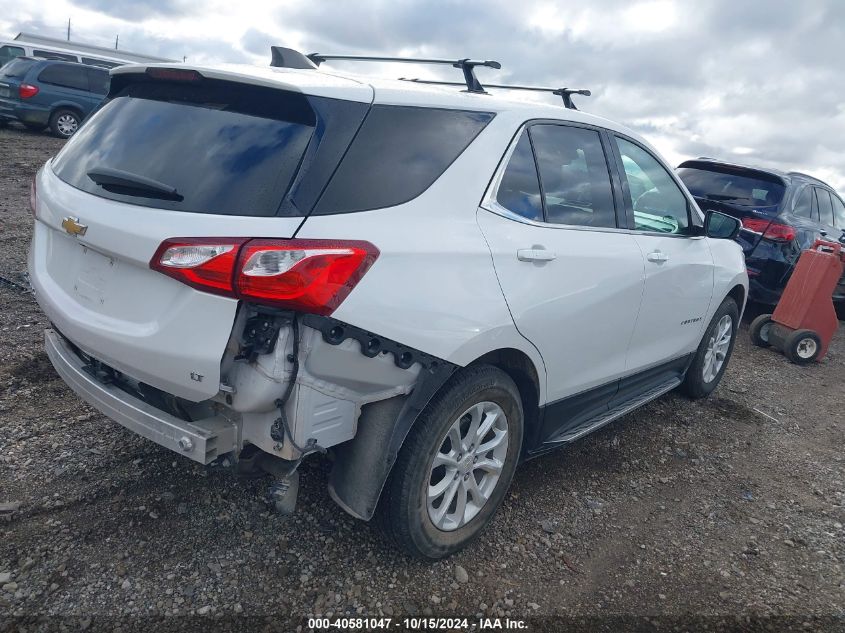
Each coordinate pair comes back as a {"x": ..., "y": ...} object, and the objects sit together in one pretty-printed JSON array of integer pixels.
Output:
[{"x": 201, "y": 440}]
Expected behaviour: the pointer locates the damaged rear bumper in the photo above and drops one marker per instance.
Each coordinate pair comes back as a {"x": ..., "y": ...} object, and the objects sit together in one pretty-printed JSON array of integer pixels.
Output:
[{"x": 201, "y": 440}]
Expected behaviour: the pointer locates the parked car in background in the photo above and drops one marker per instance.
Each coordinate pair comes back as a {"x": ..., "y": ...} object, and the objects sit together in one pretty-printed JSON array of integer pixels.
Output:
[
  {"x": 781, "y": 213},
  {"x": 43, "y": 93},
  {"x": 31, "y": 45}
]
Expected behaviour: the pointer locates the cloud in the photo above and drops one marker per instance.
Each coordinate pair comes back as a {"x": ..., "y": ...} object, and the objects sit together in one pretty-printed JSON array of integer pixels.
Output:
[
  {"x": 751, "y": 80},
  {"x": 141, "y": 9}
]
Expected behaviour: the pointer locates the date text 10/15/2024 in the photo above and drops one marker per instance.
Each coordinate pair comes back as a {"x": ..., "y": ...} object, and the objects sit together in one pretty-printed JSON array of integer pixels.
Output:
[{"x": 417, "y": 624}]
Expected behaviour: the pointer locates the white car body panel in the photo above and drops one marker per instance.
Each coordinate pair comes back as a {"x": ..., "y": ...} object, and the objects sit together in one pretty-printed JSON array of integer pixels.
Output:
[
  {"x": 675, "y": 301},
  {"x": 580, "y": 308}
]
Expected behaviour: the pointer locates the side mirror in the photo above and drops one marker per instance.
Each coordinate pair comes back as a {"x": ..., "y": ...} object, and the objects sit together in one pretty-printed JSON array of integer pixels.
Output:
[{"x": 721, "y": 226}]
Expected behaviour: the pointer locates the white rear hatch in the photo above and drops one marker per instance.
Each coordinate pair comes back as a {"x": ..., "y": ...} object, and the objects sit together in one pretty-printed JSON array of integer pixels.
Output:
[{"x": 236, "y": 155}]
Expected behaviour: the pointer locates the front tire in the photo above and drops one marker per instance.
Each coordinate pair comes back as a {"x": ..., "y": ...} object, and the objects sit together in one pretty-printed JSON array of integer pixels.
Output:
[
  {"x": 455, "y": 466},
  {"x": 65, "y": 122},
  {"x": 714, "y": 352}
]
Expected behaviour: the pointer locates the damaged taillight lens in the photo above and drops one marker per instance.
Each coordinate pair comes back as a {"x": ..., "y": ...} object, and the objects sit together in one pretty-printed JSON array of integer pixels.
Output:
[{"x": 312, "y": 276}]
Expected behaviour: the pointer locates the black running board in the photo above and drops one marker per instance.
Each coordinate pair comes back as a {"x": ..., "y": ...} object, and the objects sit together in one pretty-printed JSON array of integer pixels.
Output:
[{"x": 588, "y": 426}]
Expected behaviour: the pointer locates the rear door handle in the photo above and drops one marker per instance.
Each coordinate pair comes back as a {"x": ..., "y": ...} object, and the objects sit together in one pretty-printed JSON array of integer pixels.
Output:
[
  {"x": 658, "y": 257},
  {"x": 535, "y": 255}
]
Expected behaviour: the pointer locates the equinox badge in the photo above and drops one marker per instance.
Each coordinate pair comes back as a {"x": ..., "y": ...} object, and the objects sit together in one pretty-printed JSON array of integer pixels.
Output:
[{"x": 72, "y": 226}]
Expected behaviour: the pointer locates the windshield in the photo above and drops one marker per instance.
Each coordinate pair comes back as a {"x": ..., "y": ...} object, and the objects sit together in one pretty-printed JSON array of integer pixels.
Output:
[{"x": 733, "y": 188}]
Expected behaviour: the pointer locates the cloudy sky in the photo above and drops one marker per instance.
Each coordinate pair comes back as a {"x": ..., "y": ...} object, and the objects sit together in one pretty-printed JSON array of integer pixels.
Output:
[{"x": 753, "y": 81}]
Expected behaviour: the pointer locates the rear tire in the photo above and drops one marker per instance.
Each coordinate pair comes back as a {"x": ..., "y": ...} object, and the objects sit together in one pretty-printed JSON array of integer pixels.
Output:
[
  {"x": 714, "y": 352},
  {"x": 802, "y": 347},
  {"x": 759, "y": 330},
  {"x": 432, "y": 510},
  {"x": 65, "y": 122}
]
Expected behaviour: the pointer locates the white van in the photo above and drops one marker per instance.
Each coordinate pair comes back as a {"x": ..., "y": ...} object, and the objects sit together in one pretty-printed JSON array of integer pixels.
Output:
[{"x": 50, "y": 48}]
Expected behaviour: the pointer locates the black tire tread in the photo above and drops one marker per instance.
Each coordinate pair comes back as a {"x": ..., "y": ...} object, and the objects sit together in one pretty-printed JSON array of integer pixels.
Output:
[
  {"x": 694, "y": 385},
  {"x": 398, "y": 488}
]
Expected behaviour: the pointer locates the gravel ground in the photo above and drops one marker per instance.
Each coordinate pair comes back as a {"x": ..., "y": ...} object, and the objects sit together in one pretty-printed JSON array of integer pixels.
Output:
[{"x": 727, "y": 507}]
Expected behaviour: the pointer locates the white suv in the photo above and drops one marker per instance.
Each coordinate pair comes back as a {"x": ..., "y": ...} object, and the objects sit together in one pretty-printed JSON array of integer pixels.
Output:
[{"x": 435, "y": 284}]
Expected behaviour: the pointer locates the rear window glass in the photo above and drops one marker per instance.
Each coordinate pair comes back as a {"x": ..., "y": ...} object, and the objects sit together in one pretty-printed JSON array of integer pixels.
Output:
[
  {"x": 225, "y": 148},
  {"x": 16, "y": 68},
  {"x": 746, "y": 190},
  {"x": 398, "y": 153}
]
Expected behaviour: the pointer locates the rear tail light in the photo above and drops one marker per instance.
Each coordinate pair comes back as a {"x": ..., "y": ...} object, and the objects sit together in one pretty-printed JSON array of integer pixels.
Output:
[
  {"x": 312, "y": 276},
  {"x": 769, "y": 230},
  {"x": 33, "y": 196},
  {"x": 205, "y": 264},
  {"x": 25, "y": 91}
]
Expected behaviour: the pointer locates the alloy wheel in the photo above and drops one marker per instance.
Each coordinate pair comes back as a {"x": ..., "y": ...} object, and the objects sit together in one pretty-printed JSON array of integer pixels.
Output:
[{"x": 467, "y": 466}]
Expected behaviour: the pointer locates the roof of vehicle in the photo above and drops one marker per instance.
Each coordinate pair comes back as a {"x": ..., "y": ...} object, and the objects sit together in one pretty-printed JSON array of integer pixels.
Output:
[
  {"x": 367, "y": 89},
  {"x": 82, "y": 49},
  {"x": 789, "y": 177}
]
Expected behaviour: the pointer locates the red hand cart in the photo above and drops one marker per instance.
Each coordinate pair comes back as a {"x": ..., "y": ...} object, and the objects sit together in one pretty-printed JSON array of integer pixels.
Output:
[{"x": 804, "y": 320}]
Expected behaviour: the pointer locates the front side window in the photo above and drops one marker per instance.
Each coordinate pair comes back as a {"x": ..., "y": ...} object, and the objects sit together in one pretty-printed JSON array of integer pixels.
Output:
[
  {"x": 659, "y": 204},
  {"x": 66, "y": 76},
  {"x": 804, "y": 204},
  {"x": 825, "y": 207},
  {"x": 574, "y": 176},
  {"x": 519, "y": 190}
]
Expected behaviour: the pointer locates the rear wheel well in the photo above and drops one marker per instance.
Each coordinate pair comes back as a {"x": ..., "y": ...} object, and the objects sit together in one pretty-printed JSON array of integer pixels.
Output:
[
  {"x": 521, "y": 370},
  {"x": 737, "y": 293}
]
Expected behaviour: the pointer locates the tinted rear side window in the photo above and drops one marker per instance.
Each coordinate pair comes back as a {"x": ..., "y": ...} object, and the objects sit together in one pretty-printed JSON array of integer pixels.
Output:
[
  {"x": 398, "y": 153},
  {"x": 98, "y": 81},
  {"x": 519, "y": 190},
  {"x": 741, "y": 189},
  {"x": 65, "y": 76},
  {"x": 825, "y": 207},
  {"x": 228, "y": 149},
  {"x": 16, "y": 68},
  {"x": 804, "y": 204}
]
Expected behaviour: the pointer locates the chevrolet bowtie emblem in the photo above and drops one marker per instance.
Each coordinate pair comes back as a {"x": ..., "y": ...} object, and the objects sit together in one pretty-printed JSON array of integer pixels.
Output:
[{"x": 72, "y": 226}]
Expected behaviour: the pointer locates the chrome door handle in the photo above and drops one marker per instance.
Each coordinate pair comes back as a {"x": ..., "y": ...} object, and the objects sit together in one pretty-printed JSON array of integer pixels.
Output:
[
  {"x": 658, "y": 257},
  {"x": 535, "y": 255}
]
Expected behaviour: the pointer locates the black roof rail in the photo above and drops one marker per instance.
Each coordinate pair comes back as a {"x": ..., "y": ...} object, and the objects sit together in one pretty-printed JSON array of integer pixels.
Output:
[
  {"x": 466, "y": 65},
  {"x": 564, "y": 93}
]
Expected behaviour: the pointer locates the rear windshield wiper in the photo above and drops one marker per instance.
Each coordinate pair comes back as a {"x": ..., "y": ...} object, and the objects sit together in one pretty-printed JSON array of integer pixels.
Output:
[{"x": 130, "y": 184}]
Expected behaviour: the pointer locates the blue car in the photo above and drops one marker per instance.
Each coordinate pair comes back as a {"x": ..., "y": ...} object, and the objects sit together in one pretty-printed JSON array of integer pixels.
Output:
[{"x": 46, "y": 93}]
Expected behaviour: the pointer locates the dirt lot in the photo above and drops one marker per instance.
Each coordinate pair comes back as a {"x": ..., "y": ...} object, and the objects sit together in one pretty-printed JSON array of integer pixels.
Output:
[{"x": 731, "y": 506}]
